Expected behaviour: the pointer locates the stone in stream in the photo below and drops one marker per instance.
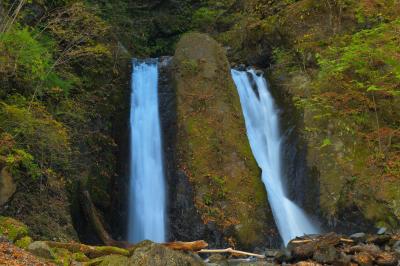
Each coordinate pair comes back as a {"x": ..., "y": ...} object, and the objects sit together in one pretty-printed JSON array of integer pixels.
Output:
[
  {"x": 272, "y": 253},
  {"x": 379, "y": 239},
  {"x": 326, "y": 255},
  {"x": 382, "y": 230},
  {"x": 218, "y": 259},
  {"x": 307, "y": 263},
  {"x": 364, "y": 259},
  {"x": 359, "y": 237},
  {"x": 343, "y": 259},
  {"x": 371, "y": 249},
  {"x": 387, "y": 259}
]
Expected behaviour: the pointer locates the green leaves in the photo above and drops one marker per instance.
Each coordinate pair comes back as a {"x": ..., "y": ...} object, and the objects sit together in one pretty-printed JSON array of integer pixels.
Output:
[
  {"x": 367, "y": 59},
  {"x": 29, "y": 62}
]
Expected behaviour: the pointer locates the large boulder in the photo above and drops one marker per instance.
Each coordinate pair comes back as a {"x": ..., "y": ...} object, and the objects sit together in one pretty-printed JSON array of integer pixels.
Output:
[
  {"x": 212, "y": 148},
  {"x": 151, "y": 254}
]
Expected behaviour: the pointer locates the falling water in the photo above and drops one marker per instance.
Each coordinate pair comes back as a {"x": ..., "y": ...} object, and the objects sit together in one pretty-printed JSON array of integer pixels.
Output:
[
  {"x": 262, "y": 124},
  {"x": 147, "y": 189}
]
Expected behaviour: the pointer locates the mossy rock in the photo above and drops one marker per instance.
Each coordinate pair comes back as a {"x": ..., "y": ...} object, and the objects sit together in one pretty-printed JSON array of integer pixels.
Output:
[
  {"x": 110, "y": 260},
  {"x": 152, "y": 254},
  {"x": 212, "y": 146},
  {"x": 12, "y": 229},
  {"x": 24, "y": 242}
]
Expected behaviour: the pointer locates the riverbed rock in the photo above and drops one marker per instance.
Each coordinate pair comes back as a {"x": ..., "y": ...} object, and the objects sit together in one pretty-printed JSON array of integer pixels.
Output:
[
  {"x": 364, "y": 259},
  {"x": 326, "y": 255},
  {"x": 387, "y": 259},
  {"x": 359, "y": 237},
  {"x": 382, "y": 230}
]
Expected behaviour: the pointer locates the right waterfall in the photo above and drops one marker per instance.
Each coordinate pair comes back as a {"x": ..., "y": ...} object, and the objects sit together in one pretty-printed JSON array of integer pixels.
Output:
[{"x": 262, "y": 124}]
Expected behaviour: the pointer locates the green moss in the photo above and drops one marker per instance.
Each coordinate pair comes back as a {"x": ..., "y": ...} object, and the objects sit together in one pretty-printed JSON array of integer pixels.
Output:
[
  {"x": 115, "y": 250},
  {"x": 80, "y": 257},
  {"x": 110, "y": 260},
  {"x": 24, "y": 242},
  {"x": 12, "y": 229}
]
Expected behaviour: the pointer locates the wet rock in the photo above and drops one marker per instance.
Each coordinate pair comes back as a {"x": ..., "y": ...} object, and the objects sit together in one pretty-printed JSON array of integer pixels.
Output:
[
  {"x": 359, "y": 237},
  {"x": 283, "y": 256},
  {"x": 396, "y": 245},
  {"x": 382, "y": 230},
  {"x": 387, "y": 259},
  {"x": 370, "y": 249},
  {"x": 379, "y": 239},
  {"x": 272, "y": 253},
  {"x": 307, "y": 263},
  {"x": 303, "y": 251},
  {"x": 40, "y": 249},
  {"x": 218, "y": 259},
  {"x": 259, "y": 72},
  {"x": 343, "y": 259},
  {"x": 363, "y": 259},
  {"x": 326, "y": 254}
]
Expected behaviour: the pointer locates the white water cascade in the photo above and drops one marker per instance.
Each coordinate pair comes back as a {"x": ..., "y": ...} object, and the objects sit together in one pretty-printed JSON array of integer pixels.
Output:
[
  {"x": 262, "y": 124},
  {"x": 146, "y": 217}
]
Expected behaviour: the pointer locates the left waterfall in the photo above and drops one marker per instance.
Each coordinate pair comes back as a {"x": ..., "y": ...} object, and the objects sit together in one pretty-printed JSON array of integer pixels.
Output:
[{"x": 146, "y": 214}]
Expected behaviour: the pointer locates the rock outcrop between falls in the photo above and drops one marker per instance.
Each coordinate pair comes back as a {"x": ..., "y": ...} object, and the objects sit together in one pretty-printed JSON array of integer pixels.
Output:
[{"x": 212, "y": 150}]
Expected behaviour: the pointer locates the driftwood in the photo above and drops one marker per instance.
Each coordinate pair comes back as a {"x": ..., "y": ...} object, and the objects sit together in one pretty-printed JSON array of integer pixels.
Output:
[
  {"x": 121, "y": 247},
  {"x": 93, "y": 218},
  {"x": 186, "y": 246},
  {"x": 232, "y": 251}
]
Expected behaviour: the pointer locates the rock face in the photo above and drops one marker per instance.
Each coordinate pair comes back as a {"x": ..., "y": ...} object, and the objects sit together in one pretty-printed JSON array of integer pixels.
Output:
[
  {"x": 7, "y": 186},
  {"x": 212, "y": 151},
  {"x": 44, "y": 209}
]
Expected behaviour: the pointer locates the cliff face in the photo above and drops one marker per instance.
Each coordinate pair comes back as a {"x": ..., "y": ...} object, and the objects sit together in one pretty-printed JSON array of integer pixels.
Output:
[
  {"x": 212, "y": 149},
  {"x": 334, "y": 65}
]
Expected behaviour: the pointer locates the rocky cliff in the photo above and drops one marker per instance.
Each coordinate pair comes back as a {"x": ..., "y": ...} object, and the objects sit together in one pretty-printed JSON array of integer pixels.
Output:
[{"x": 212, "y": 149}]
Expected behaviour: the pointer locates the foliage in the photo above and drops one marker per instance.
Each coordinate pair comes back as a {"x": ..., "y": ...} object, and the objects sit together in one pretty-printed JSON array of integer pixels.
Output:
[
  {"x": 366, "y": 60},
  {"x": 204, "y": 18},
  {"x": 39, "y": 142},
  {"x": 12, "y": 229},
  {"x": 28, "y": 61}
]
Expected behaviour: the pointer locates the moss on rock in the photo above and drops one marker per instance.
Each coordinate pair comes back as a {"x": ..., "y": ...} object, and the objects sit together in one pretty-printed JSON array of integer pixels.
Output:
[
  {"x": 12, "y": 229},
  {"x": 24, "y": 242},
  {"x": 212, "y": 147}
]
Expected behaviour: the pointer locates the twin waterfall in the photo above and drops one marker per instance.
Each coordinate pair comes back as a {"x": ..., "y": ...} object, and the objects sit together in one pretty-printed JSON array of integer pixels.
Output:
[
  {"x": 146, "y": 215},
  {"x": 147, "y": 206},
  {"x": 262, "y": 124}
]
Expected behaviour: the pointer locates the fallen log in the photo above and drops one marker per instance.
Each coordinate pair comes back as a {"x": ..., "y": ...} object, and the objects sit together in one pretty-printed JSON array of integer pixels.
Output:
[
  {"x": 93, "y": 218},
  {"x": 186, "y": 246},
  {"x": 305, "y": 241},
  {"x": 231, "y": 251}
]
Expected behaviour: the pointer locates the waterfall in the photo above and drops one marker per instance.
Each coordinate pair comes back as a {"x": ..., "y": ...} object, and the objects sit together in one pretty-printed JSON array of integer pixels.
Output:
[
  {"x": 262, "y": 124},
  {"x": 146, "y": 218}
]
